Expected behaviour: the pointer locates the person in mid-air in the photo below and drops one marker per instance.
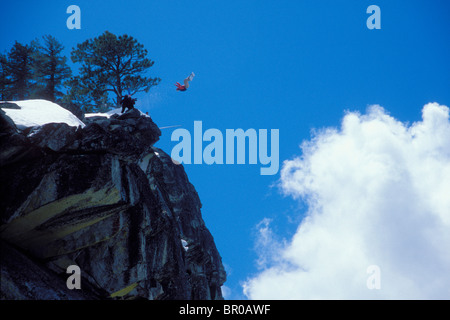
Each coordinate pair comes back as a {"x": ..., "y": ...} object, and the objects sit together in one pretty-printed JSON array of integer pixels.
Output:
[
  {"x": 127, "y": 103},
  {"x": 184, "y": 87}
]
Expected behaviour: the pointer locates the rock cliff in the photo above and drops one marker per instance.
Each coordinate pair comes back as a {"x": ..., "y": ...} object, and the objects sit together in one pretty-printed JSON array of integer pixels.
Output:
[{"x": 101, "y": 197}]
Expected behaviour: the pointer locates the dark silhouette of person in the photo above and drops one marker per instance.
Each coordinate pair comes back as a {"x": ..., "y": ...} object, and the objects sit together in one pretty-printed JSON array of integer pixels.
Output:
[{"x": 127, "y": 103}]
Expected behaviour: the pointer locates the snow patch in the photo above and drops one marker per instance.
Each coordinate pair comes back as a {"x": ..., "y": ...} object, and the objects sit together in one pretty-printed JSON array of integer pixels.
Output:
[
  {"x": 185, "y": 244},
  {"x": 38, "y": 112},
  {"x": 110, "y": 113}
]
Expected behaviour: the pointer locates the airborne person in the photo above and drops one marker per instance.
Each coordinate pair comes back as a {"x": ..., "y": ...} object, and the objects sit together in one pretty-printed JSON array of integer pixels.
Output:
[{"x": 186, "y": 83}]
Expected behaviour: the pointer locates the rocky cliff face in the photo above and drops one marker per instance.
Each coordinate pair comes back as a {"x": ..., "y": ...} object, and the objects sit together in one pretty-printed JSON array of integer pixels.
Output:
[{"x": 105, "y": 199}]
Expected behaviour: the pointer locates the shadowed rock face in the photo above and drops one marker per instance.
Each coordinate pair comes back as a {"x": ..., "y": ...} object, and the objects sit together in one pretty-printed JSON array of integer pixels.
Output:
[{"x": 105, "y": 199}]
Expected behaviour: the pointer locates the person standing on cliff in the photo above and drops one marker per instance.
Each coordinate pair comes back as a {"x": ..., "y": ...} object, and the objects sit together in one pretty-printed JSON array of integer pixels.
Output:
[{"x": 127, "y": 103}]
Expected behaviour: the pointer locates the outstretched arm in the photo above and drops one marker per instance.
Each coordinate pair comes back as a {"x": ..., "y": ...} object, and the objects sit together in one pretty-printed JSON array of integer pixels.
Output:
[{"x": 180, "y": 87}]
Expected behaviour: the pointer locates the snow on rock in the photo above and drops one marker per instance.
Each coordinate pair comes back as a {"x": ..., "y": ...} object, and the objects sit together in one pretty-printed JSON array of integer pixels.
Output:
[
  {"x": 184, "y": 243},
  {"x": 39, "y": 112},
  {"x": 103, "y": 114},
  {"x": 110, "y": 113}
]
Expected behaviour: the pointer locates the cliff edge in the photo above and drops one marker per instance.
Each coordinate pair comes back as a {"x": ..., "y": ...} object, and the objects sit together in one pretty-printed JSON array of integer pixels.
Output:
[{"x": 99, "y": 196}]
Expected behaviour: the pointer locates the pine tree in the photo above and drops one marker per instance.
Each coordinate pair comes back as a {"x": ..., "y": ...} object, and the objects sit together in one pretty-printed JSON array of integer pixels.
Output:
[
  {"x": 111, "y": 64},
  {"x": 4, "y": 80},
  {"x": 87, "y": 93},
  {"x": 16, "y": 72},
  {"x": 49, "y": 68}
]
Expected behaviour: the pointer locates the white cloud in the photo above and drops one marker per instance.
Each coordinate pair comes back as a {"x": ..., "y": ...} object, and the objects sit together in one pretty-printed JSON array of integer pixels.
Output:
[{"x": 378, "y": 193}]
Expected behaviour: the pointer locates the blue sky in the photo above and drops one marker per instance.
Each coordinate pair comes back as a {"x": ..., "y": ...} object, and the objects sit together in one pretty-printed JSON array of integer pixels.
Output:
[{"x": 295, "y": 66}]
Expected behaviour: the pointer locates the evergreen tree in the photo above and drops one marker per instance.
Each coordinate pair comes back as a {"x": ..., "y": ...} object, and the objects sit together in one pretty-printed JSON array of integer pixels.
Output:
[
  {"x": 88, "y": 93},
  {"x": 4, "y": 80},
  {"x": 110, "y": 64},
  {"x": 16, "y": 78},
  {"x": 49, "y": 68}
]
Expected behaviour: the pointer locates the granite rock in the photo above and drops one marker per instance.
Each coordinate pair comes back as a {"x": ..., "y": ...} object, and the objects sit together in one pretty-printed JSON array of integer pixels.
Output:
[{"x": 105, "y": 199}]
